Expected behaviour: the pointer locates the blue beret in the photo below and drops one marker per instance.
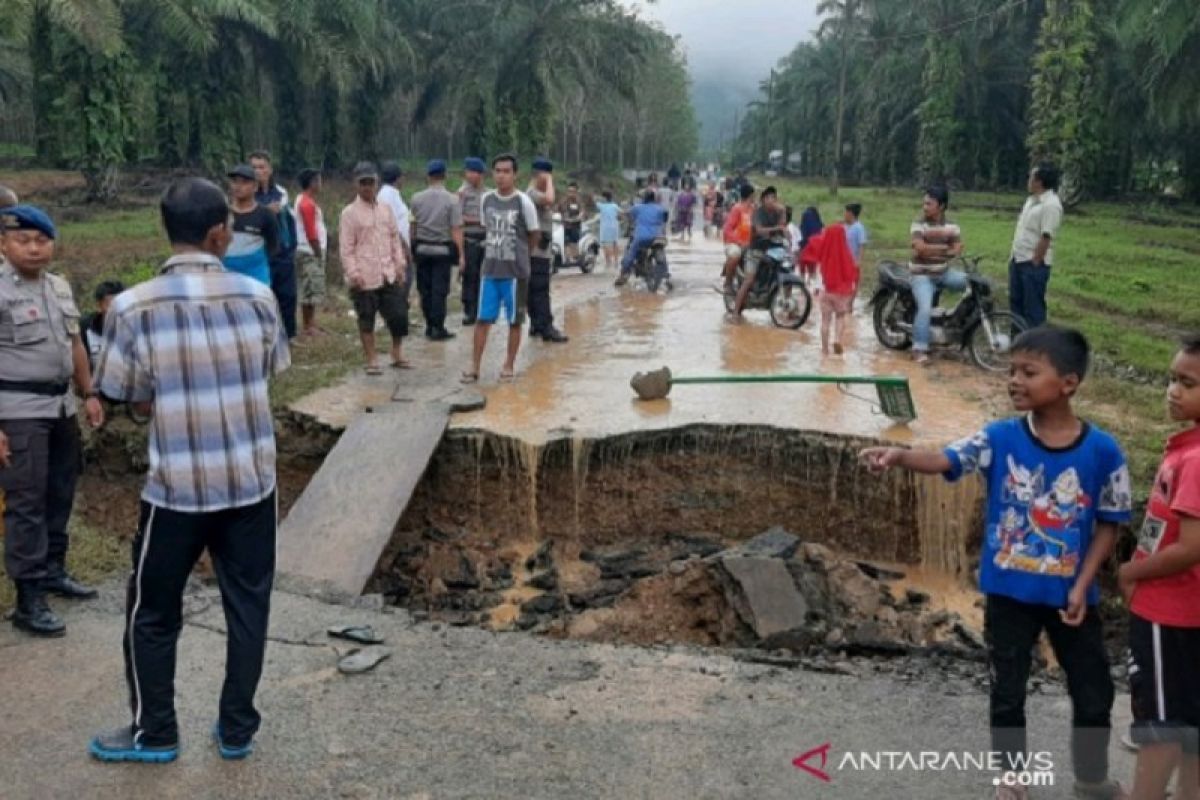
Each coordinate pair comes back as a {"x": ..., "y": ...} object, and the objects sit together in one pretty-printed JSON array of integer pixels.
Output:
[
  {"x": 436, "y": 167},
  {"x": 474, "y": 164},
  {"x": 543, "y": 164},
  {"x": 27, "y": 218}
]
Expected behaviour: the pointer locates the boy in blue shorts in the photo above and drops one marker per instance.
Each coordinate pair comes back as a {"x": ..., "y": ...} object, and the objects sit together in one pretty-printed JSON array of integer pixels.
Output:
[
  {"x": 510, "y": 220},
  {"x": 1161, "y": 586},
  {"x": 1057, "y": 488}
]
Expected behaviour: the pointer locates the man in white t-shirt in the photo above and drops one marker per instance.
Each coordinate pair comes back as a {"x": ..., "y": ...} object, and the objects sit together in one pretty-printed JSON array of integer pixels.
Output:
[{"x": 1033, "y": 246}]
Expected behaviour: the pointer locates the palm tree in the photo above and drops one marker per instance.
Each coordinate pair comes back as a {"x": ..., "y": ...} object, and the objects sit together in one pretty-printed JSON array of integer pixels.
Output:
[{"x": 845, "y": 23}]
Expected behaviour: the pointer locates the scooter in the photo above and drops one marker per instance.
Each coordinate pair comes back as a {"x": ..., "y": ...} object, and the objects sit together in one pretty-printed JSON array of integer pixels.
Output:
[
  {"x": 776, "y": 288},
  {"x": 588, "y": 247},
  {"x": 651, "y": 265},
  {"x": 974, "y": 324}
]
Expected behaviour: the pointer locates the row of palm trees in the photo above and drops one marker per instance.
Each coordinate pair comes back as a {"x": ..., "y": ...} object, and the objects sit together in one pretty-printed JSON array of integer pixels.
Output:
[
  {"x": 971, "y": 90},
  {"x": 200, "y": 82}
]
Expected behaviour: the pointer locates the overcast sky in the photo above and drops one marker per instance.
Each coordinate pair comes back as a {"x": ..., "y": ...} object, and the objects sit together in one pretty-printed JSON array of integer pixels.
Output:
[
  {"x": 742, "y": 38},
  {"x": 731, "y": 47}
]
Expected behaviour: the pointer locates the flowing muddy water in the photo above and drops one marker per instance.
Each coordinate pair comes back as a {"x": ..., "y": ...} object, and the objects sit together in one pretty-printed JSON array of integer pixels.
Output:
[
  {"x": 565, "y": 457},
  {"x": 579, "y": 393}
]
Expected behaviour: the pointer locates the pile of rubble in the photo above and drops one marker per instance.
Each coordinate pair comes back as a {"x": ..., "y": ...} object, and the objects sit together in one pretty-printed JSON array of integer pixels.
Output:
[{"x": 770, "y": 593}]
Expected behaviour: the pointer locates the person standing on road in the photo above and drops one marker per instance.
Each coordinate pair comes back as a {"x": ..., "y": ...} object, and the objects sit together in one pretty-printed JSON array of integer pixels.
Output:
[
  {"x": 374, "y": 263},
  {"x": 392, "y": 177},
  {"x": 1033, "y": 246},
  {"x": 541, "y": 192},
  {"x": 437, "y": 237},
  {"x": 935, "y": 241},
  {"x": 312, "y": 245},
  {"x": 610, "y": 228},
  {"x": 572, "y": 222},
  {"x": 469, "y": 195},
  {"x": 283, "y": 263},
  {"x": 255, "y": 231},
  {"x": 196, "y": 346},
  {"x": 41, "y": 354},
  {"x": 856, "y": 232},
  {"x": 511, "y": 220}
]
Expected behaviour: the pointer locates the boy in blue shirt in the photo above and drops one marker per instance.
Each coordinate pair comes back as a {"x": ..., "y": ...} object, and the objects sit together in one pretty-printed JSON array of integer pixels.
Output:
[
  {"x": 856, "y": 232},
  {"x": 649, "y": 221},
  {"x": 1057, "y": 489}
]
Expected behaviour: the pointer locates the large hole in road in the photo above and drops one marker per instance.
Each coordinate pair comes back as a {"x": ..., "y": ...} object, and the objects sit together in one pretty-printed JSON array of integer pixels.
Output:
[{"x": 711, "y": 535}]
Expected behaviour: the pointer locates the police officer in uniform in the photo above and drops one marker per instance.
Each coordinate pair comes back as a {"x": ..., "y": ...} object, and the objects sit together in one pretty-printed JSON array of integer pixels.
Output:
[
  {"x": 40, "y": 354},
  {"x": 469, "y": 195},
  {"x": 541, "y": 260}
]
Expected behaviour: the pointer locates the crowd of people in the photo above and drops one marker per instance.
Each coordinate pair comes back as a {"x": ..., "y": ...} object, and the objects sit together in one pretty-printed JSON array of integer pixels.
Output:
[{"x": 195, "y": 348}]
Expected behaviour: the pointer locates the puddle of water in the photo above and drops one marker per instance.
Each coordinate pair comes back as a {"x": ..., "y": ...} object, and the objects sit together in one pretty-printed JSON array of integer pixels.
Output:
[{"x": 583, "y": 386}]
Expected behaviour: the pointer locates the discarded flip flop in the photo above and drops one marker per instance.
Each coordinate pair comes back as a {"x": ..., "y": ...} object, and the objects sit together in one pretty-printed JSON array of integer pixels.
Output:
[
  {"x": 363, "y": 634},
  {"x": 363, "y": 660}
]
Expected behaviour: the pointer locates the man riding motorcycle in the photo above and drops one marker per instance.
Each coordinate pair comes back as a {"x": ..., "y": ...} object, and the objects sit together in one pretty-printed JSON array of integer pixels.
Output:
[
  {"x": 935, "y": 241},
  {"x": 770, "y": 224},
  {"x": 648, "y": 220}
]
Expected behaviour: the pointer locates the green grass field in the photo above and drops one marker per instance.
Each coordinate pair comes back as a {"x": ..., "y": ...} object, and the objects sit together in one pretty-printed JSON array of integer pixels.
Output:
[{"x": 1126, "y": 275}]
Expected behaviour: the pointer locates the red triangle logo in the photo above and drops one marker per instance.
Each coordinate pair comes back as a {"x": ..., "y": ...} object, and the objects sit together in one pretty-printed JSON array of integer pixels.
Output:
[{"x": 801, "y": 762}]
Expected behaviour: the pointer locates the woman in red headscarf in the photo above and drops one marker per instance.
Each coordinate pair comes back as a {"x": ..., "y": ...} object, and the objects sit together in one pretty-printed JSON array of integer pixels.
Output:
[{"x": 840, "y": 275}]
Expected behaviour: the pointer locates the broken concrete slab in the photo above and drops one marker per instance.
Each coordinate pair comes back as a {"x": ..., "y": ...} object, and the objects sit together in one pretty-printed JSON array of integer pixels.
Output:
[
  {"x": 337, "y": 530},
  {"x": 773, "y": 543},
  {"x": 764, "y": 595}
]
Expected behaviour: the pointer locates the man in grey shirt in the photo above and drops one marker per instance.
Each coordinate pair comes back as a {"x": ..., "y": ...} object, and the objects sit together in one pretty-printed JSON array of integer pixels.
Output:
[
  {"x": 437, "y": 244},
  {"x": 511, "y": 222},
  {"x": 541, "y": 192}
]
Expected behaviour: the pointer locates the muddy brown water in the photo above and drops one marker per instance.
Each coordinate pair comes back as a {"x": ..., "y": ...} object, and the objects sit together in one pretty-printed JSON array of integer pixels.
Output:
[{"x": 566, "y": 456}]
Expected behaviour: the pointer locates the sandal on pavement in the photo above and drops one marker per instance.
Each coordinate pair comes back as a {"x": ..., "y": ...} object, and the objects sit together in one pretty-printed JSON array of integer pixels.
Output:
[
  {"x": 469, "y": 377},
  {"x": 363, "y": 634},
  {"x": 365, "y": 660},
  {"x": 507, "y": 376},
  {"x": 374, "y": 370},
  {"x": 402, "y": 363}
]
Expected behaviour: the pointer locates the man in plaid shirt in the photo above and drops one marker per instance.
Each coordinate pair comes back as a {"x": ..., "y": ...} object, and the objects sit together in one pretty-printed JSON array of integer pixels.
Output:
[{"x": 198, "y": 344}]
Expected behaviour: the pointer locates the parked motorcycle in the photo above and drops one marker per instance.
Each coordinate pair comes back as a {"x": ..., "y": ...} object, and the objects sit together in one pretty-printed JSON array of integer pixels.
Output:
[
  {"x": 776, "y": 289},
  {"x": 973, "y": 324},
  {"x": 588, "y": 248}
]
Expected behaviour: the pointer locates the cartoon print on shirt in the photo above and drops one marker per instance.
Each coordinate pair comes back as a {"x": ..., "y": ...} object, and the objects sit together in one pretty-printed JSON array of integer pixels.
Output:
[
  {"x": 1039, "y": 532},
  {"x": 1021, "y": 485}
]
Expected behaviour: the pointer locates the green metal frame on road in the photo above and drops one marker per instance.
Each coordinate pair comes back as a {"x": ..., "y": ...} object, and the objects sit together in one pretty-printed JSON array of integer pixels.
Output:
[{"x": 891, "y": 391}]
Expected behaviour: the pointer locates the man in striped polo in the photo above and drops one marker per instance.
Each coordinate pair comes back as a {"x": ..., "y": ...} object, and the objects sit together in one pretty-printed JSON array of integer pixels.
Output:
[{"x": 196, "y": 346}]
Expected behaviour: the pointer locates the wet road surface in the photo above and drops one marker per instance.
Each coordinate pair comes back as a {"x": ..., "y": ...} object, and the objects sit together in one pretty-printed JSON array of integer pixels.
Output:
[{"x": 582, "y": 388}]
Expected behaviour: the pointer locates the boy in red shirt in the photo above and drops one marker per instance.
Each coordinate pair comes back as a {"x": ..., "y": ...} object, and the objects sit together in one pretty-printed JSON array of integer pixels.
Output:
[
  {"x": 1161, "y": 585},
  {"x": 739, "y": 226},
  {"x": 839, "y": 275}
]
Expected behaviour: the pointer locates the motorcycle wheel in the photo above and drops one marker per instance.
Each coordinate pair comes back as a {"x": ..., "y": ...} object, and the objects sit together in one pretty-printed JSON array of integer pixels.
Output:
[
  {"x": 790, "y": 312},
  {"x": 588, "y": 263},
  {"x": 989, "y": 354},
  {"x": 889, "y": 336}
]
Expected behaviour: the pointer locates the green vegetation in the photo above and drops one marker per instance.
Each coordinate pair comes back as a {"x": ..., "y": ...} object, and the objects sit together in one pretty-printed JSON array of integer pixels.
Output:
[
  {"x": 970, "y": 91},
  {"x": 1123, "y": 274},
  {"x": 96, "y": 85}
]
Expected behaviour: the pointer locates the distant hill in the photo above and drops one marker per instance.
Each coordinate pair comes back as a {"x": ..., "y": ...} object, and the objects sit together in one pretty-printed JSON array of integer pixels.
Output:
[{"x": 716, "y": 99}]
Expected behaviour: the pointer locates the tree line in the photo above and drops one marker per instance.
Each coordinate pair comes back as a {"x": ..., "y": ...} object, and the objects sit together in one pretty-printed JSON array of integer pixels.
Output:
[
  {"x": 102, "y": 84},
  {"x": 971, "y": 91}
]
